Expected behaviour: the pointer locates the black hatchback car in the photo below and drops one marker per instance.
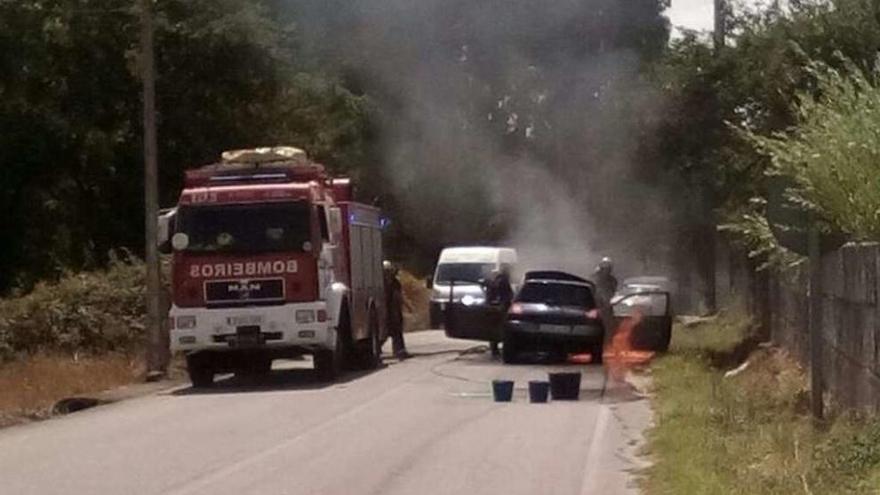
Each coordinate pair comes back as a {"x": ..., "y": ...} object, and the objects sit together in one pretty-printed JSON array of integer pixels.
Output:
[{"x": 556, "y": 312}]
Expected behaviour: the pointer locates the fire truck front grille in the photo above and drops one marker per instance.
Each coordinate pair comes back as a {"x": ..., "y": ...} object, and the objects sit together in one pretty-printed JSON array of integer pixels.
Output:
[{"x": 230, "y": 293}]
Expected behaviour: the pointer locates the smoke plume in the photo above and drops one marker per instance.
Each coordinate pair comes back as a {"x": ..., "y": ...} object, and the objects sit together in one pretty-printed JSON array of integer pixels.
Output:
[{"x": 511, "y": 122}]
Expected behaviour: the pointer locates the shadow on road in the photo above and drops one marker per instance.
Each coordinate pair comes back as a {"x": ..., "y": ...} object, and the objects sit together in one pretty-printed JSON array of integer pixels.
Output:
[
  {"x": 277, "y": 380},
  {"x": 555, "y": 359}
]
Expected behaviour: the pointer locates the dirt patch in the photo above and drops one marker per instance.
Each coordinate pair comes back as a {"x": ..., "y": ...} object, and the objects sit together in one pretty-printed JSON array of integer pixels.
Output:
[
  {"x": 731, "y": 358},
  {"x": 33, "y": 387}
]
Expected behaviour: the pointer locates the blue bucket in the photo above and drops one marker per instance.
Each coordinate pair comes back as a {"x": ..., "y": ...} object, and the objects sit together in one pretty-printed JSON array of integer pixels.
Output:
[{"x": 502, "y": 390}]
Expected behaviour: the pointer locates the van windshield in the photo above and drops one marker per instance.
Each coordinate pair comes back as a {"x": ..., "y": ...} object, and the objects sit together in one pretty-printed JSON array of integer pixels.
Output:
[{"x": 463, "y": 272}]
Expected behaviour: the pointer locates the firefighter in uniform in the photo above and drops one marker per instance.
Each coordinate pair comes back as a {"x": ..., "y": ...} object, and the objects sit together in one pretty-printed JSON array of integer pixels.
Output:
[
  {"x": 606, "y": 282},
  {"x": 606, "y": 287},
  {"x": 394, "y": 309},
  {"x": 499, "y": 293}
]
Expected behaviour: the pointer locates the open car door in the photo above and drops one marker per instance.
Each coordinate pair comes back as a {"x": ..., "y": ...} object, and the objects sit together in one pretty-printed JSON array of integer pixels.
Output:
[
  {"x": 473, "y": 322},
  {"x": 654, "y": 331}
]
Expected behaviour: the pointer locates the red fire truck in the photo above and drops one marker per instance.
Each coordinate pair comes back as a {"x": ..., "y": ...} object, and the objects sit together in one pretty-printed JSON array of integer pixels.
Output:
[{"x": 272, "y": 259}]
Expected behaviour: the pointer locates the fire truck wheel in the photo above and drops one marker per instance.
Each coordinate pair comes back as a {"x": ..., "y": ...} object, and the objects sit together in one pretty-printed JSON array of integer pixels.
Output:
[
  {"x": 330, "y": 364},
  {"x": 372, "y": 352},
  {"x": 255, "y": 367},
  {"x": 201, "y": 373}
]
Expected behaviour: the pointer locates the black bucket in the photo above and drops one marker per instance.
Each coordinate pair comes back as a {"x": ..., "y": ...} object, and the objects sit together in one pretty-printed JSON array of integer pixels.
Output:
[
  {"x": 538, "y": 391},
  {"x": 502, "y": 390},
  {"x": 565, "y": 386}
]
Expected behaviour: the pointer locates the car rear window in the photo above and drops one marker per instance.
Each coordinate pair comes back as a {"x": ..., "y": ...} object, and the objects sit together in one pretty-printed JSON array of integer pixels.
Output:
[{"x": 557, "y": 294}]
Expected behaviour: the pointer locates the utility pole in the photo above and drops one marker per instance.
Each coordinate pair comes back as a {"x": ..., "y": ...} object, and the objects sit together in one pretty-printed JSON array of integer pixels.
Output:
[
  {"x": 815, "y": 324},
  {"x": 720, "y": 24},
  {"x": 156, "y": 347}
]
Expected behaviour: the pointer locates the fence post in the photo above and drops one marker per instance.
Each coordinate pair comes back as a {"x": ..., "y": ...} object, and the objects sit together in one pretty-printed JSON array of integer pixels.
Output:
[{"x": 815, "y": 325}]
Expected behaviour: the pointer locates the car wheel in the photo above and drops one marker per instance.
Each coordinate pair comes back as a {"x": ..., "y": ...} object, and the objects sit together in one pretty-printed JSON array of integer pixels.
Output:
[
  {"x": 509, "y": 350},
  {"x": 666, "y": 339},
  {"x": 596, "y": 353}
]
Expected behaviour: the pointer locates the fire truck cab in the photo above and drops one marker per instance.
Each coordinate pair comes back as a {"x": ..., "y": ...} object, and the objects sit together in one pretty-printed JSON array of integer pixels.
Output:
[{"x": 272, "y": 259}]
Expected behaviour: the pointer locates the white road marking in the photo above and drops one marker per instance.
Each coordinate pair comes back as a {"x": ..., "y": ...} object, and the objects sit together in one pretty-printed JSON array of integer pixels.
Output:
[{"x": 591, "y": 471}]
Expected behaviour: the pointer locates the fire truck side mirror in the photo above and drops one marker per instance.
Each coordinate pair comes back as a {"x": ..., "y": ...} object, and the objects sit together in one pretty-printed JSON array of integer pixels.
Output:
[{"x": 165, "y": 230}]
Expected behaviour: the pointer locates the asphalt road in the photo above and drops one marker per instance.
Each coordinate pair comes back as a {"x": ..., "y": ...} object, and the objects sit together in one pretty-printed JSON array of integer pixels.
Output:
[{"x": 427, "y": 425}]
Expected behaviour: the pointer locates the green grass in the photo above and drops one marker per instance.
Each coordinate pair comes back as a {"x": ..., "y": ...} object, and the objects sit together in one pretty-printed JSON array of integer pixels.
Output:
[{"x": 749, "y": 434}]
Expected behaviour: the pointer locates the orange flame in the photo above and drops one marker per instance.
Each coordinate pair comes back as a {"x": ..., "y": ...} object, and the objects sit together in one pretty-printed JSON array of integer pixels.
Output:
[{"x": 619, "y": 355}]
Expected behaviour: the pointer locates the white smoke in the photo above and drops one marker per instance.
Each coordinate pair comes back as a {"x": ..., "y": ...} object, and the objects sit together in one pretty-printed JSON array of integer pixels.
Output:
[{"x": 448, "y": 154}]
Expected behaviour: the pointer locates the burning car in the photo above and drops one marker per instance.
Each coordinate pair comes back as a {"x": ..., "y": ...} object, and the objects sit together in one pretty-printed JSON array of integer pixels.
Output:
[
  {"x": 554, "y": 311},
  {"x": 647, "y": 300}
]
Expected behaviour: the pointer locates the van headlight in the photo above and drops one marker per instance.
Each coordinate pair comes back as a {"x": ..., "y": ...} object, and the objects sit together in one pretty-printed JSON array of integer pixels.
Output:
[{"x": 469, "y": 300}]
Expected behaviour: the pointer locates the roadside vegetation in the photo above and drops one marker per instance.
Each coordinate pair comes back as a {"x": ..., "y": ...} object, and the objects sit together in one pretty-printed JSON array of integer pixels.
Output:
[
  {"x": 84, "y": 313},
  {"x": 75, "y": 337},
  {"x": 749, "y": 433}
]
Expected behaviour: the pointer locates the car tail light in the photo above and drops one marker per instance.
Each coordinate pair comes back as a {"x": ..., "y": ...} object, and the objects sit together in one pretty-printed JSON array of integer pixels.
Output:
[
  {"x": 516, "y": 309},
  {"x": 322, "y": 316},
  {"x": 594, "y": 314}
]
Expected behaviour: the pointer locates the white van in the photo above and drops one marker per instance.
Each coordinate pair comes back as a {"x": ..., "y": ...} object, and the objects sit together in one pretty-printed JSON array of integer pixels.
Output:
[{"x": 468, "y": 267}]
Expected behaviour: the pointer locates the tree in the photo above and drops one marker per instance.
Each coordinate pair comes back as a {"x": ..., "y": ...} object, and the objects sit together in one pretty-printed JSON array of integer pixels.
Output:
[
  {"x": 70, "y": 173},
  {"x": 755, "y": 83}
]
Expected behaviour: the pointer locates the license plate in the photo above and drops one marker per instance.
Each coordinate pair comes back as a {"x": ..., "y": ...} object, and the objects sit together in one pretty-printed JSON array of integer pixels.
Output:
[
  {"x": 246, "y": 341},
  {"x": 248, "y": 336},
  {"x": 244, "y": 321},
  {"x": 556, "y": 328}
]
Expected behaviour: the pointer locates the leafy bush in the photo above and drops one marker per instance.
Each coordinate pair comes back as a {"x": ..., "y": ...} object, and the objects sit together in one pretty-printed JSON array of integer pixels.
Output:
[
  {"x": 88, "y": 312},
  {"x": 834, "y": 152},
  {"x": 752, "y": 232}
]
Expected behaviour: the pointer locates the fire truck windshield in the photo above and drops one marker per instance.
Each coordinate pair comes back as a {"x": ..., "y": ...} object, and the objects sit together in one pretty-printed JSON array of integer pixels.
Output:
[{"x": 265, "y": 227}]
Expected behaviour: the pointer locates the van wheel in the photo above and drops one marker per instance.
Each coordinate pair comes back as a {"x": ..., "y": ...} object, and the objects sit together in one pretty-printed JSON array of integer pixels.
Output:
[{"x": 200, "y": 370}]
